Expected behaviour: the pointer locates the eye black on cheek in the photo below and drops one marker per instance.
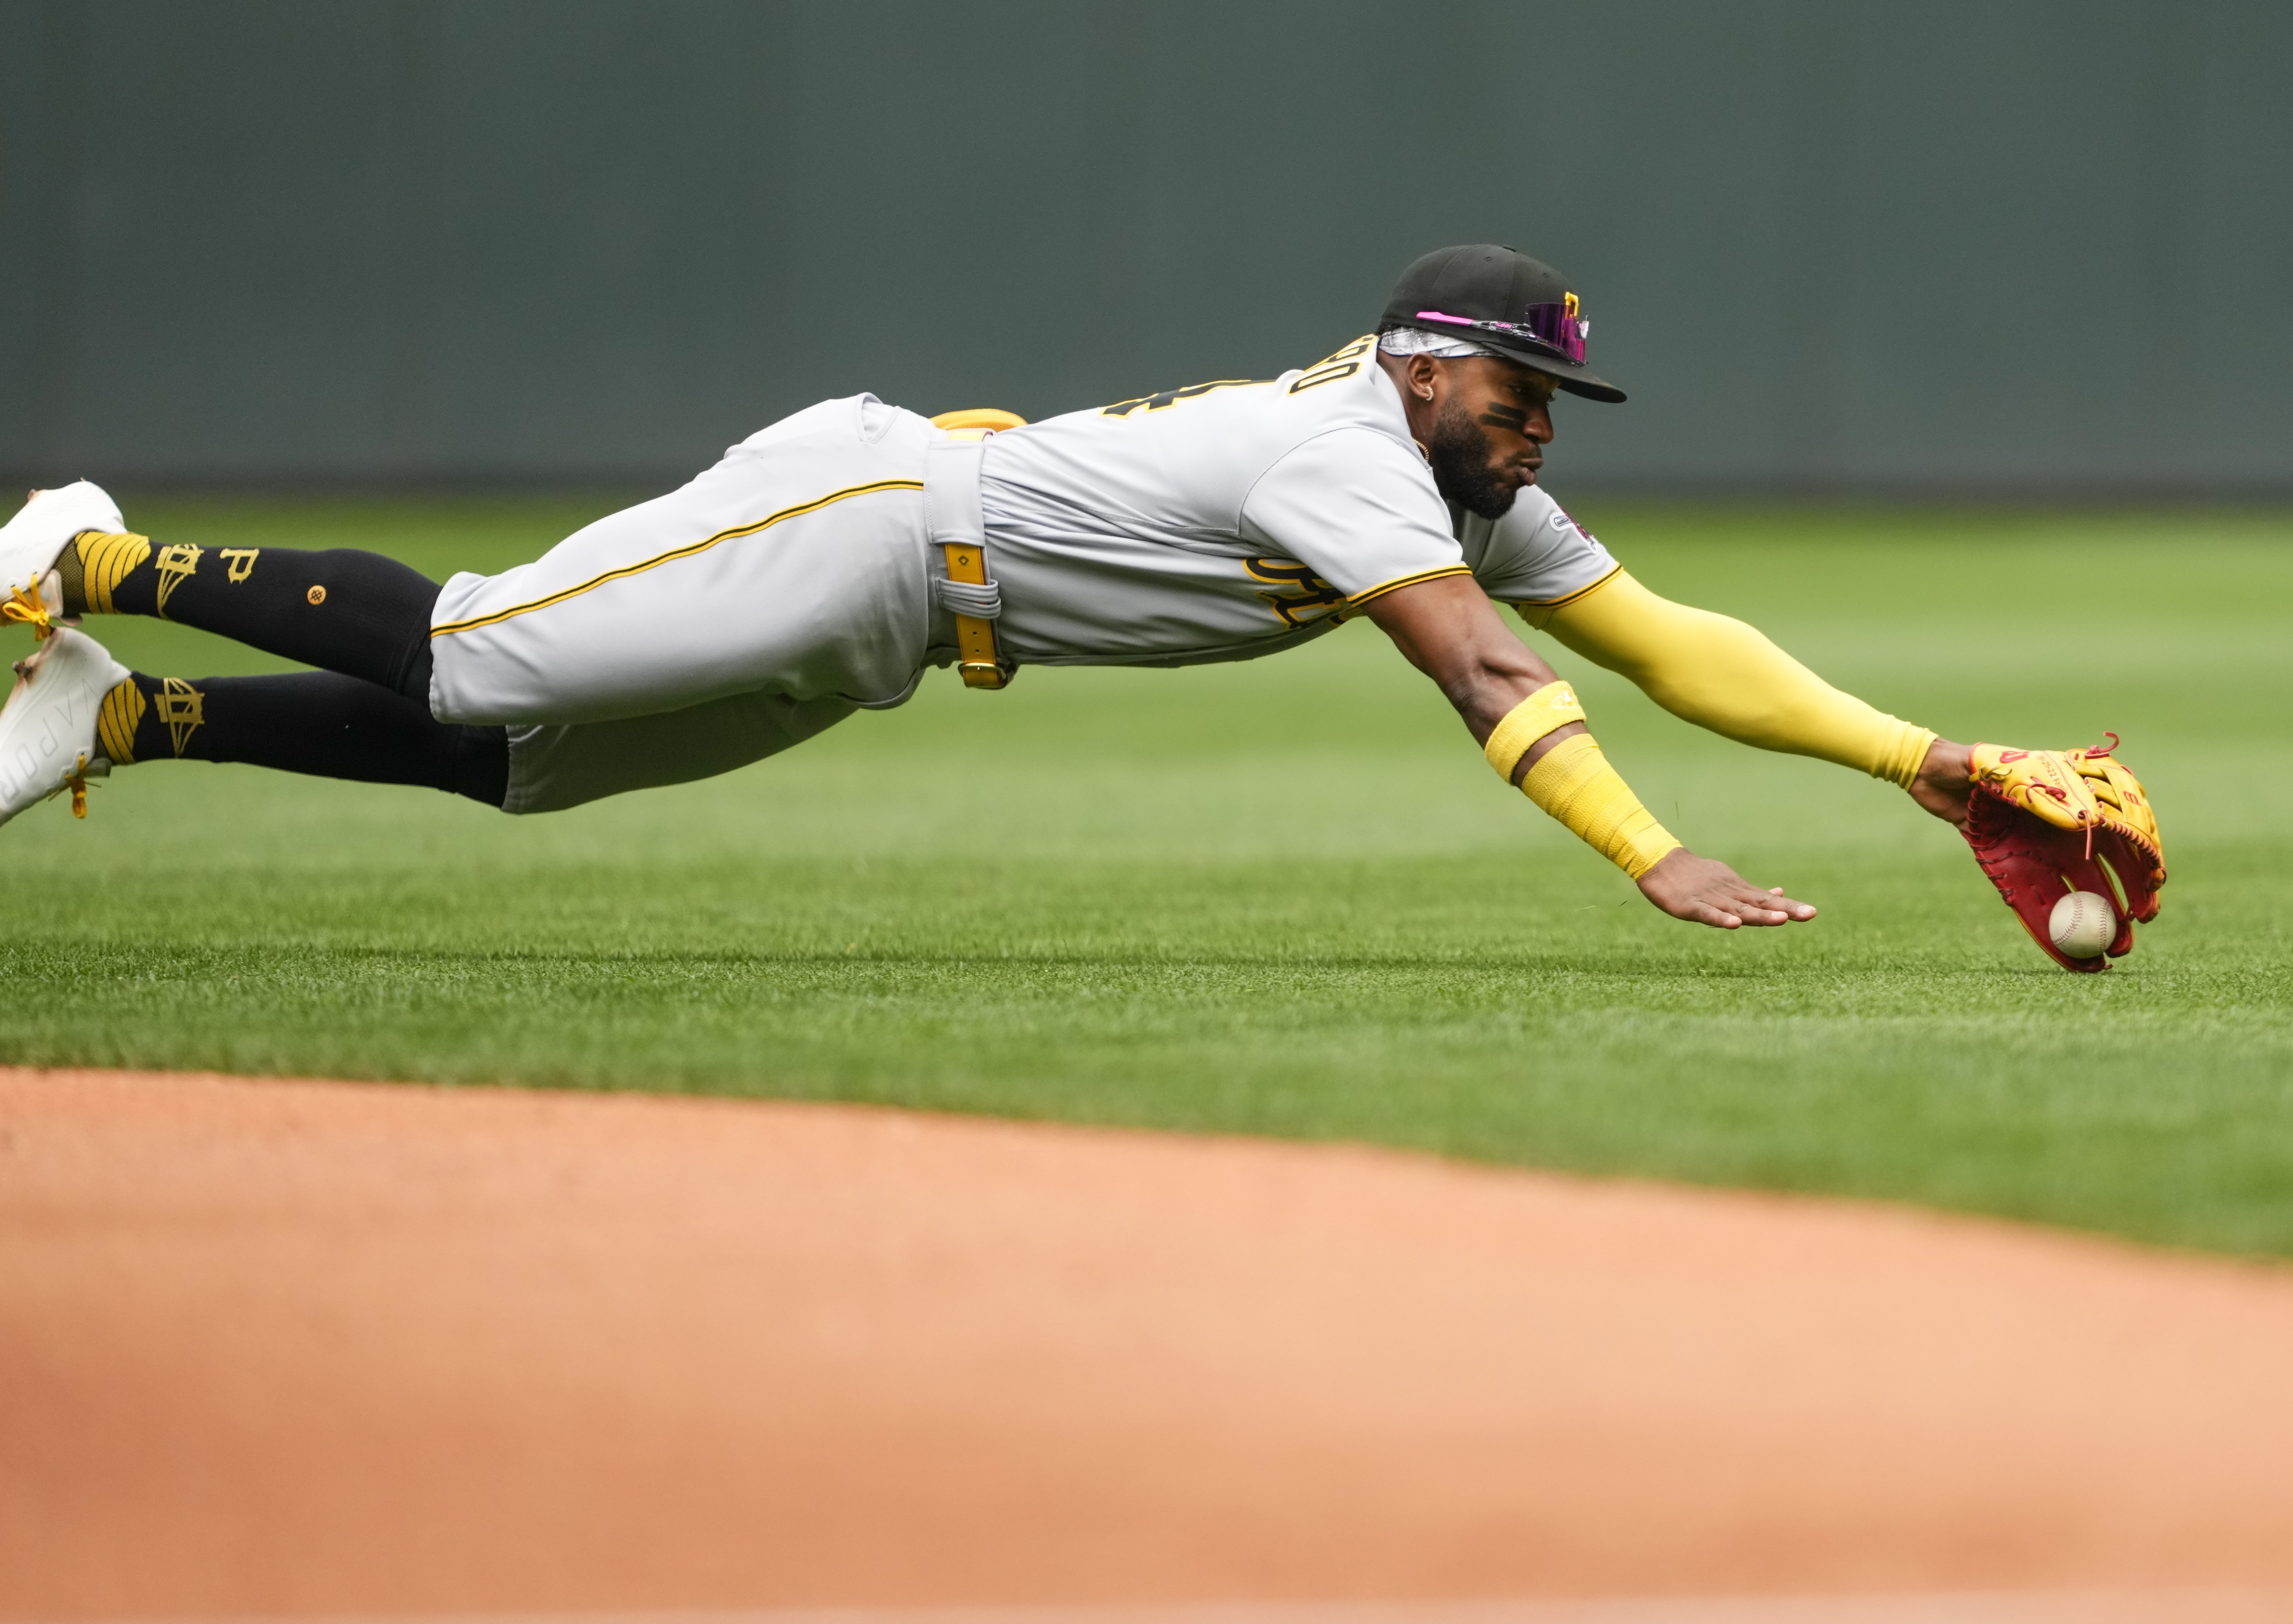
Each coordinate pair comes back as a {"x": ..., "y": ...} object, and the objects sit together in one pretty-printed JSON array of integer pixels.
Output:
[{"x": 1506, "y": 418}]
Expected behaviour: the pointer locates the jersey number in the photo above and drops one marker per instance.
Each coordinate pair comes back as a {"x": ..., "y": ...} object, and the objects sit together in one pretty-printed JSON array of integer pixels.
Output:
[
  {"x": 1156, "y": 403},
  {"x": 1344, "y": 364}
]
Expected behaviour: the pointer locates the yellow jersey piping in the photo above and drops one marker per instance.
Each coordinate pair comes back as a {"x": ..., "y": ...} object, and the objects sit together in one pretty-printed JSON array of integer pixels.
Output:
[
  {"x": 1614, "y": 570},
  {"x": 1360, "y": 598},
  {"x": 670, "y": 557}
]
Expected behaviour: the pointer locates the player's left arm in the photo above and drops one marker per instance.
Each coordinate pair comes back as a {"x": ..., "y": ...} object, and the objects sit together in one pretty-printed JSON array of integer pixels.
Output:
[
  {"x": 2042, "y": 822},
  {"x": 1529, "y": 725},
  {"x": 1720, "y": 673}
]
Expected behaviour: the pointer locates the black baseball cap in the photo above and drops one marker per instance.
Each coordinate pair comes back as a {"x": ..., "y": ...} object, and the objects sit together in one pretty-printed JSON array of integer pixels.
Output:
[{"x": 1500, "y": 298}]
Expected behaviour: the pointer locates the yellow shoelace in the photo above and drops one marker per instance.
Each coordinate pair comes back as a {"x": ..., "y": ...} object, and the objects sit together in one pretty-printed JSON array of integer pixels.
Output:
[
  {"x": 27, "y": 609},
  {"x": 24, "y": 609}
]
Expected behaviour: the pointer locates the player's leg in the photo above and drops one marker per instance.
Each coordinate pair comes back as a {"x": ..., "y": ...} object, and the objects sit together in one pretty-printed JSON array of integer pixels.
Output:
[
  {"x": 552, "y": 768},
  {"x": 340, "y": 609},
  {"x": 358, "y": 613},
  {"x": 76, "y": 712},
  {"x": 796, "y": 566},
  {"x": 79, "y": 714},
  {"x": 309, "y": 721}
]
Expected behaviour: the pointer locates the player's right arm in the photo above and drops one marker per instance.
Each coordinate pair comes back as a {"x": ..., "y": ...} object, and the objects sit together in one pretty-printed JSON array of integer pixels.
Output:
[{"x": 1529, "y": 725}]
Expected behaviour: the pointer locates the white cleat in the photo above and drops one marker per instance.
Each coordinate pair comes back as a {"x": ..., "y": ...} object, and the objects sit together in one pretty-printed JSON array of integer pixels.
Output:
[
  {"x": 48, "y": 728},
  {"x": 30, "y": 541}
]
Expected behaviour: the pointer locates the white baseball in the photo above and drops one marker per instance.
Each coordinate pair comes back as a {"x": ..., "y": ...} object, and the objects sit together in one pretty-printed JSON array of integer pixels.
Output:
[{"x": 2082, "y": 924}]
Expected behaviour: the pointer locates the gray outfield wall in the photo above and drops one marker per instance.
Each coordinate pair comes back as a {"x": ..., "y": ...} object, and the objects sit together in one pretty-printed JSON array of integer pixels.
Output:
[{"x": 2022, "y": 246}]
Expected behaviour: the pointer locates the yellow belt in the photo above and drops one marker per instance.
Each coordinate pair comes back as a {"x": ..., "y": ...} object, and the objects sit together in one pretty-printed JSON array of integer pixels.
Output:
[
  {"x": 977, "y": 661},
  {"x": 975, "y": 636}
]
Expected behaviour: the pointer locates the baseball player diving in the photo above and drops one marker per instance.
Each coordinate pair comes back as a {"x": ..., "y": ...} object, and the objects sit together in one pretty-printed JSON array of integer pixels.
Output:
[{"x": 829, "y": 559}]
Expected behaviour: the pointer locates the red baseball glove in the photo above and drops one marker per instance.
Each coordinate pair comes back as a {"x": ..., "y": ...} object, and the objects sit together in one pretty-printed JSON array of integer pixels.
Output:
[{"x": 2045, "y": 823}]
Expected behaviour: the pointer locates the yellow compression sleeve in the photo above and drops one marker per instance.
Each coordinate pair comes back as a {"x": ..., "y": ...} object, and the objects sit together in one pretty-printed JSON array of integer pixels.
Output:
[
  {"x": 1574, "y": 783},
  {"x": 1722, "y": 675}
]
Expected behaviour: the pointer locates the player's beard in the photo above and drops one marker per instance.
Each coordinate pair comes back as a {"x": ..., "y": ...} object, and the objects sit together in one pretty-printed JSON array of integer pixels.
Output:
[{"x": 1464, "y": 466}]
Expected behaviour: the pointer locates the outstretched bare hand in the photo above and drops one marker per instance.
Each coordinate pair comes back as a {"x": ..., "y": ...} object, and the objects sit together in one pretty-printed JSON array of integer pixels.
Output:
[{"x": 1691, "y": 887}]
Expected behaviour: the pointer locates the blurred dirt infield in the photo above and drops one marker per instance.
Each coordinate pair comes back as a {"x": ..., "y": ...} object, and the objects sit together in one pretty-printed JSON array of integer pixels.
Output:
[{"x": 312, "y": 1349}]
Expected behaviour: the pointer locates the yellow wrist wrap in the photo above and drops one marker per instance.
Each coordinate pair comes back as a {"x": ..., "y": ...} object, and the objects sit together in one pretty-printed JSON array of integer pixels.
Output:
[
  {"x": 1550, "y": 707},
  {"x": 1573, "y": 782}
]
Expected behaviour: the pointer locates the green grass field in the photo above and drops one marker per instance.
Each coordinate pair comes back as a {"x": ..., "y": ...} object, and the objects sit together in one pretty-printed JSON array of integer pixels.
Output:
[{"x": 1288, "y": 898}]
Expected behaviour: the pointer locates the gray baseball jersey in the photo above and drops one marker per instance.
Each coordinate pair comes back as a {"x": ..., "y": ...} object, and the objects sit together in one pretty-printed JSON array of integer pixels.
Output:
[{"x": 1231, "y": 520}]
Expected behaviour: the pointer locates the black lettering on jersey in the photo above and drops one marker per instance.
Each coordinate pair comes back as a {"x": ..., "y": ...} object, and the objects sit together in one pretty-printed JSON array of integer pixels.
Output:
[
  {"x": 1156, "y": 403},
  {"x": 1344, "y": 364},
  {"x": 1301, "y": 592},
  {"x": 1326, "y": 375}
]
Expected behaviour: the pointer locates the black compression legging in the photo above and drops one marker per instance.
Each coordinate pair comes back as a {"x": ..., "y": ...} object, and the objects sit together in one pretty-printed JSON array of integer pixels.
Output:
[
  {"x": 359, "y": 613},
  {"x": 364, "y": 619},
  {"x": 322, "y": 723}
]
